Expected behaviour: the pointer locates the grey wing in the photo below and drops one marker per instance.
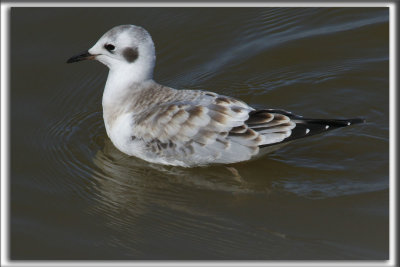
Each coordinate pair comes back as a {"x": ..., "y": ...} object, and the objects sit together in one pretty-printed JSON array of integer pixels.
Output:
[{"x": 209, "y": 128}]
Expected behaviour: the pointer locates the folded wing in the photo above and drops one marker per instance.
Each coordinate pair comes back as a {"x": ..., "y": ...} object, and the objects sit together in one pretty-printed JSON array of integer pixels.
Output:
[{"x": 209, "y": 128}]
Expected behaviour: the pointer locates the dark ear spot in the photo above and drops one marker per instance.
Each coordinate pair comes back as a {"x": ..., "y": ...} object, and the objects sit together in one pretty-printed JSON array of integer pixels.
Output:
[{"x": 130, "y": 54}]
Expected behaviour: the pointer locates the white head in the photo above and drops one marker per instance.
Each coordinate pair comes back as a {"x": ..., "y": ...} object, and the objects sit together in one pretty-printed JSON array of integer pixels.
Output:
[{"x": 126, "y": 49}]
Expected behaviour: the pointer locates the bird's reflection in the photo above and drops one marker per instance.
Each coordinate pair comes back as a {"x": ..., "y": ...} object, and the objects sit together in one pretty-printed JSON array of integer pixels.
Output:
[
  {"x": 140, "y": 201},
  {"x": 128, "y": 183}
]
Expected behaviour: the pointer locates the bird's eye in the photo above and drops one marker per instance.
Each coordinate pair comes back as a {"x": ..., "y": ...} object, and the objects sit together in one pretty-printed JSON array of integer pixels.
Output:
[{"x": 109, "y": 47}]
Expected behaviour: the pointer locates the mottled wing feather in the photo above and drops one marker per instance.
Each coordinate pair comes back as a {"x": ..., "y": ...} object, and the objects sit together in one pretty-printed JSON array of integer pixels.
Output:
[
  {"x": 209, "y": 127},
  {"x": 198, "y": 127}
]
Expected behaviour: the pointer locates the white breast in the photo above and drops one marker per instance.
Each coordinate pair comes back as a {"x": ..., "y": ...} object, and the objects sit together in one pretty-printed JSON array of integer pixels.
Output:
[{"x": 120, "y": 134}]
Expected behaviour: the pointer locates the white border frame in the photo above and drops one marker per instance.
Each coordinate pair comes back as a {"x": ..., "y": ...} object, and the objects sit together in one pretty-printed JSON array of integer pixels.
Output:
[{"x": 5, "y": 137}]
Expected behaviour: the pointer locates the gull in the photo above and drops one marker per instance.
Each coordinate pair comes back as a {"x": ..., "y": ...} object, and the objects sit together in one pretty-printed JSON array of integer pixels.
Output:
[{"x": 185, "y": 128}]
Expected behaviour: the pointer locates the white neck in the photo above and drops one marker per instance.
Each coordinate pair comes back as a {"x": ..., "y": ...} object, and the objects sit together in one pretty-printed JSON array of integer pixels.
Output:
[
  {"x": 122, "y": 78},
  {"x": 121, "y": 86}
]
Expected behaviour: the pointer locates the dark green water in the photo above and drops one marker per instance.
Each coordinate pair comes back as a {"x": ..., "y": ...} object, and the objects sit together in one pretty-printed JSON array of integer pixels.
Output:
[{"x": 74, "y": 196}]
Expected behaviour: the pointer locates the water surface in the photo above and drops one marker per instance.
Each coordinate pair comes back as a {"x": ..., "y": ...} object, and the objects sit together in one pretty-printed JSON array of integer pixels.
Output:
[{"x": 75, "y": 196}]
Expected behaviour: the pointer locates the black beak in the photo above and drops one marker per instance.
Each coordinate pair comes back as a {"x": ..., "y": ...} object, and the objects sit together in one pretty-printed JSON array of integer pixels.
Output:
[{"x": 83, "y": 56}]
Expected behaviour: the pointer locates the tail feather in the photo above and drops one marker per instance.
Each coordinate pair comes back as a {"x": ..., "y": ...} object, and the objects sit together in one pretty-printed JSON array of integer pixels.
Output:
[{"x": 308, "y": 127}]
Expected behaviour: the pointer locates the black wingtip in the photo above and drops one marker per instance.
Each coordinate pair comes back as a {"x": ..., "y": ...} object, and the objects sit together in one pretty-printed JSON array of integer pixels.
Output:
[
  {"x": 336, "y": 123},
  {"x": 356, "y": 121}
]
